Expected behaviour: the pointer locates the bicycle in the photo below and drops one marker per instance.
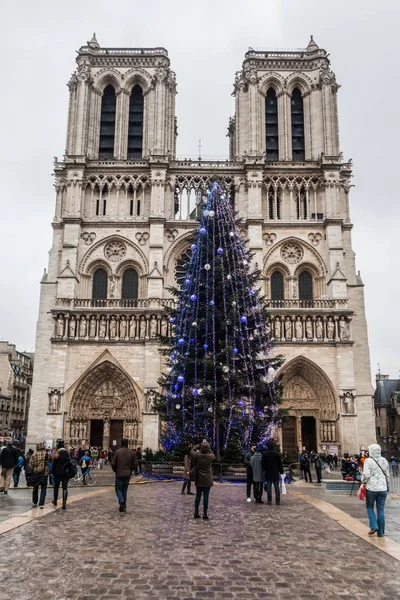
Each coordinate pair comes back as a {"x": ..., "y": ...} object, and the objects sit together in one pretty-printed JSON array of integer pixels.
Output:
[{"x": 90, "y": 478}]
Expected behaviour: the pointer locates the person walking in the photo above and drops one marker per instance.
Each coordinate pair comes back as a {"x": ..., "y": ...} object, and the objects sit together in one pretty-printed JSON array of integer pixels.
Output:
[
  {"x": 40, "y": 472},
  {"x": 203, "y": 457},
  {"x": 376, "y": 478},
  {"x": 306, "y": 468},
  {"x": 139, "y": 458},
  {"x": 187, "y": 474},
  {"x": 85, "y": 466},
  {"x": 249, "y": 472},
  {"x": 8, "y": 460},
  {"x": 318, "y": 467},
  {"x": 273, "y": 469},
  {"x": 60, "y": 460},
  {"x": 27, "y": 467},
  {"x": 258, "y": 474},
  {"x": 18, "y": 468},
  {"x": 123, "y": 463}
]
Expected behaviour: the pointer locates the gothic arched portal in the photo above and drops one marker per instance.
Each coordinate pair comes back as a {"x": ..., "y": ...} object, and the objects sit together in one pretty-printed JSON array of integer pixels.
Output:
[
  {"x": 310, "y": 399},
  {"x": 104, "y": 408}
]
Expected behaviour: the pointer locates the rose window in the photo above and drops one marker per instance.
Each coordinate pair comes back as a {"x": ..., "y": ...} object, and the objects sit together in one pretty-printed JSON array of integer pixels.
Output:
[
  {"x": 292, "y": 253},
  {"x": 115, "y": 251}
]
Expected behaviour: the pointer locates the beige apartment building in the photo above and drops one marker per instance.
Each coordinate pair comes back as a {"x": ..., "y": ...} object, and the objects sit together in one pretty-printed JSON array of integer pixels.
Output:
[
  {"x": 125, "y": 209},
  {"x": 16, "y": 371}
]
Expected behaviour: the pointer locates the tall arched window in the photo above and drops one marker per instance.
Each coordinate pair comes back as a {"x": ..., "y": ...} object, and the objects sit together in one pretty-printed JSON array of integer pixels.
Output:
[
  {"x": 301, "y": 204},
  {"x": 271, "y": 125},
  {"x": 135, "y": 131},
  {"x": 100, "y": 281},
  {"x": 305, "y": 286},
  {"x": 107, "y": 124},
  {"x": 130, "y": 285},
  {"x": 298, "y": 147},
  {"x": 277, "y": 289}
]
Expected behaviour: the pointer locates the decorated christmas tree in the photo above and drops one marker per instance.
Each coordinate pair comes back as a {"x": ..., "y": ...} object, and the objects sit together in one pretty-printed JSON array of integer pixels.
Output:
[{"x": 219, "y": 382}]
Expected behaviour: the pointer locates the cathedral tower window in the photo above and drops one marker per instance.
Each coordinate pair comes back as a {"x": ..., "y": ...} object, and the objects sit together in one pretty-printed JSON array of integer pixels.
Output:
[
  {"x": 107, "y": 124},
  {"x": 135, "y": 130},
  {"x": 271, "y": 125},
  {"x": 277, "y": 288},
  {"x": 305, "y": 286},
  {"x": 100, "y": 281},
  {"x": 274, "y": 204},
  {"x": 297, "y": 112},
  {"x": 130, "y": 285},
  {"x": 301, "y": 204}
]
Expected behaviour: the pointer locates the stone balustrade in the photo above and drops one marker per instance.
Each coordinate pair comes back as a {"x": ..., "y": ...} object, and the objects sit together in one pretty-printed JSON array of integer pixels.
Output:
[
  {"x": 317, "y": 304},
  {"x": 114, "y": 303}
]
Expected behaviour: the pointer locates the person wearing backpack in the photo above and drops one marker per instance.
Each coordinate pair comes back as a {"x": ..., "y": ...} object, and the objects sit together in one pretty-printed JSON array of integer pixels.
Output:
[
  {"x": 18, "y": 468},
  {"x": 39, "y": 464},
  {"x": 61, "y": 462},
  {"x": 376, "y": 479}
]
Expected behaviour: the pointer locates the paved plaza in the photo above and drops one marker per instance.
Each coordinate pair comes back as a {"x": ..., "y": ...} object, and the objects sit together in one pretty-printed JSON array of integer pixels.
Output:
[{"x": 157, "y": 551}]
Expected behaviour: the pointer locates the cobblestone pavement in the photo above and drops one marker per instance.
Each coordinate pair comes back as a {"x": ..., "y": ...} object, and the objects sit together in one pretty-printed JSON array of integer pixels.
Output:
[{"x": 157, "y": 551}]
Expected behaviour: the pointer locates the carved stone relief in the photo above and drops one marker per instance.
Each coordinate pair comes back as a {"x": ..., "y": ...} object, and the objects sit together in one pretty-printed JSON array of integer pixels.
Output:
[
  {"x": 292, "y": 253},
  {"x": 115, "y": 251}
]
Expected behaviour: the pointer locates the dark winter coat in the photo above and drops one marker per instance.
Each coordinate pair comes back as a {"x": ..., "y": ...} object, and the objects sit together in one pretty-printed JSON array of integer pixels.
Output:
[
  {"x": 58, "y": 468},
  {"x": 272, "y": 465},
  {"x": 124, "y": 462},
  {"x": 9, "y": 457},
  {"x": 187, "y": 466},
  {"x": 247, "y": 458},
  {"x": 203, "y": 462},
  {"x": 256, "y": 465}
]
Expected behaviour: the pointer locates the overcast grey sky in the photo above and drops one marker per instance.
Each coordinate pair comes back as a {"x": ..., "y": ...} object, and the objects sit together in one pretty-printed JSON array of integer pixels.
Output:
[{"x": 206, "y": 41}]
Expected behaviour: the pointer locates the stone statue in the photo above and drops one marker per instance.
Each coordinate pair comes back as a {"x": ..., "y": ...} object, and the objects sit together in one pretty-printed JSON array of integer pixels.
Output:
[
  {"x": 132, "y": 328},
  {"x": 330, "y": 329},
  {"x": 113, "y": 328},
  {"x": 54, "y": 401},
  {"x": 143, "y": 328},
  {"x": 164, "y": 328},
  {"x": 343, "y": 330},
  {"x": 82, "y": 327},
  {"x": 102, "y": 328},
  {"x": 92, "y": 329},
  {"x": 318, "y": 329},
  {"x": 348, "y": 403},
  {"x": 72, "y": 429},
  {"x": 122, "y": 328},
  {"x": 309, "y": 332},
  {"x": 112, "y": 286},
  {"x": 299, "y": 329},
  {"x": 72, "y": 327},
  {"x": 153, "y": 327},
  {"x": 288, "y": 328},
  {"x": 106, "y": 432},
  {"x": 278, "y": 329},
  {"x": 60, "y": 326}
]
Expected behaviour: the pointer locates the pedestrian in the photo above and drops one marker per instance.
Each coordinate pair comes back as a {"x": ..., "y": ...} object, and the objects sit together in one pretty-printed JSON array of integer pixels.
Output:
[
  {"x": 273, "y": 469},
  {"x": 124, "y": 463},
  {"x": 318, "y": 467},
  {"x": 85, "y": 466},
  {"x": 187, "y": 473},
  {"x": 27, "y": 467},
  {"x": 249, "y": 472},
  {"x": 40, "y": 472},
  {"x": 306, "y": 468},
  {"x": 335, "y": 460},
  {"x": 394, "y": 466},
  {"x": 258, "y": 474},
  {"x": 18, "y": 468},
  {"x": 376, "y": 478},
  {"x": 60, "y": 460},
  {"x": 139, "y": 458},
  {"x": 8, "y": 460},
  {"x": 203, "y": 457}
]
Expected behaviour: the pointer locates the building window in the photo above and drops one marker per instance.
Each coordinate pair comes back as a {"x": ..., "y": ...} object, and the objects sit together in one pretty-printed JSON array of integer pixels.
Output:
[
  {"x": 100, "y": 282},
  {"x": 274, "y": 205},
  {"x": 277, "y": 289},
  {"x": 298, "y": 147},
  {"x": 135, "y": 130},
  {"x": 271, "y": 125},
  {"x": 181, "y": 267},
  {"x": 305, "y": 286},
  {"x": 301, "y": 204},
  {"x": 107, "y": 124},
  {"x": 130, "y": 285},
  {"x": 378, "y": 432}
]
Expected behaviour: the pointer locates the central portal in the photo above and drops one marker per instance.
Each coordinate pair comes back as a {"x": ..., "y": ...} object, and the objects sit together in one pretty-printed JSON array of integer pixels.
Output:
[
  {"x": 309, "y": 433},
  {"x": 96, "y": 432}
]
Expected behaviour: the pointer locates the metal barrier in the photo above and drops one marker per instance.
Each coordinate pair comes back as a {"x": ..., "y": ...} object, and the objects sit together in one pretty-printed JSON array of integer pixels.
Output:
[{"x": 235, "y": 472}]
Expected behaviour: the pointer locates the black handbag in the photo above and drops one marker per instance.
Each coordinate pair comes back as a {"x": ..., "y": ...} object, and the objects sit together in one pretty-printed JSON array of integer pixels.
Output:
[
  {"x": 70, "y": 470},
  {"x": 35, "y": 478}
]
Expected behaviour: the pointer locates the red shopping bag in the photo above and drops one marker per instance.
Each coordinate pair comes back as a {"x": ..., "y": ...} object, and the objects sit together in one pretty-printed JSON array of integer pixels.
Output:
[{"x": 362, "y": 492}]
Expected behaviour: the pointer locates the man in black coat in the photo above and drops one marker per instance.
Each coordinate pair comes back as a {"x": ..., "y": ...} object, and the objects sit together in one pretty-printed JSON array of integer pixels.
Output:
[
  {"x": 249, "y": 472},
  {"x": 273, "y": 468},
  {"x": 8, "y": 460}
]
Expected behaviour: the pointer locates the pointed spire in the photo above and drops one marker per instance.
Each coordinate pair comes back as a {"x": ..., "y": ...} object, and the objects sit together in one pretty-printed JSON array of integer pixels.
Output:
[
  {"x": 312, "y": 45},
  {"x": 94, "y": 44}
]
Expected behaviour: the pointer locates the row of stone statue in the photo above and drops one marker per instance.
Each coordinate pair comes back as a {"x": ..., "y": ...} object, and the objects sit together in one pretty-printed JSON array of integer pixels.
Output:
[
  {"x": 110, "y": 327},
  {"x": 328, "y": 431},
  {"x": 309, "y": 328}
]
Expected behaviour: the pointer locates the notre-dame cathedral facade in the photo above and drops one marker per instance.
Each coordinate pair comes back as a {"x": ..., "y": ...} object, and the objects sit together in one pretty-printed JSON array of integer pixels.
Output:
[{"x": 125, "y": 209}]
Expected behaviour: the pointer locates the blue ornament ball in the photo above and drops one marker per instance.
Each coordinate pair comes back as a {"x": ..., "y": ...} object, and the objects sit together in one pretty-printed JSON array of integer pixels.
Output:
[
  {"x": 220, "y": 251},
  {"x": 193, "y": 297},
  {"x": 243, "y": 319},
  {"x": 193, "y": 246},
  {"x": 172, "y": 320},
  {"x": 251, "y": 292},
  {"x": 187, "y": 281},
  {"x": 205, "y": 346},
  {"x": 191, "y": 341},
  {"x": 212, "y": 303},
  {"x": 173, "y": 356},
  {"x": 181, "y": 341},
  {"x": 195, "y": 392},
  {"x": 203, "y": 230},
  {"x": 181, "y": 378},
  {"x": 235, "y": 351}
]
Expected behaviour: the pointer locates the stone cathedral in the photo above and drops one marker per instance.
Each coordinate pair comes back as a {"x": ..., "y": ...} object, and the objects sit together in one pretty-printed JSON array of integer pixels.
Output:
[{"x": 125, "y": 210}]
